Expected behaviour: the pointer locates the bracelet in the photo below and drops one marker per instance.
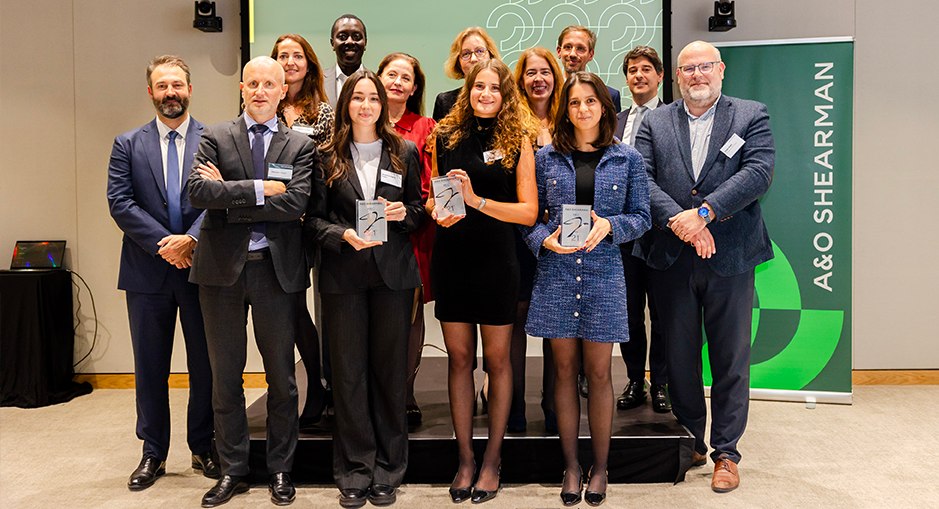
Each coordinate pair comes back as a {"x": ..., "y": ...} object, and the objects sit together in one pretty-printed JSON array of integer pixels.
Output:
[{"x": 482, "y": 203}]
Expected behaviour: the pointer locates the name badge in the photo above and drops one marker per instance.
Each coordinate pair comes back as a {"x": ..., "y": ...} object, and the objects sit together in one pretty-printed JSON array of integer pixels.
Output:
[
  {"x": 492, "y": 155},
  {"x": 279, "y": 171},
  {"x": 733, "y": 145},
  {"x": 303, "y": 129},
  {"x": 390, "y": 178}
]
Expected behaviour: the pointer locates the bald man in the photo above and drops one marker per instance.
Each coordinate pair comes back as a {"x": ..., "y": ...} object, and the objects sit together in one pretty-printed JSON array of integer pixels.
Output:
[
  {"x": 252, "y": 175},
  {"x": 709, "y": 158}
]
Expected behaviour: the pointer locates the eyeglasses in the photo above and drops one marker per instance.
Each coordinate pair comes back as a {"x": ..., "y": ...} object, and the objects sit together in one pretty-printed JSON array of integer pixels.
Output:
[
  {"x": 480, "y": 53},
  {"x": 705, "y": 68}
]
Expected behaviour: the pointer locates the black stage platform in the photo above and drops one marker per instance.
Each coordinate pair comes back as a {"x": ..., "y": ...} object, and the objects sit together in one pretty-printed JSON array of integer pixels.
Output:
[{"x": 646, "y": 447}]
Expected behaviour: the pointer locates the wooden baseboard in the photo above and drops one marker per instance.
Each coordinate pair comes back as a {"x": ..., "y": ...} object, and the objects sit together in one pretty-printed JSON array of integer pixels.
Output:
[
  {"x": 885, "y": 377},
  {"x": 176, "y": 381}
]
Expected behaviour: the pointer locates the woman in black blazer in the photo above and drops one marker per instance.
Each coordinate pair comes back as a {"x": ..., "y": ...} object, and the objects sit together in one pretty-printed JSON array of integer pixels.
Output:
[
  {"x": 367, "y": 288},
  {"x": 472, "y": 45}
]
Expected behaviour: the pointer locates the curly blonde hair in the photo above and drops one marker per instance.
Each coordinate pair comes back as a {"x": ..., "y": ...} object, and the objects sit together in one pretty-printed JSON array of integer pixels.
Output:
[{"x": 514, "y": 122}]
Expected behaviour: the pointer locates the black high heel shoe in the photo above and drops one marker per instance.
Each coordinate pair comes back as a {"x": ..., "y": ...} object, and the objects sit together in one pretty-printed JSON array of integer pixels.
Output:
[
  {"x": 458, "y": 495},
  {"x": 480, "y": 496},
  {"x": 570, "y": 498},
  {"x": 595, "y": 498}
]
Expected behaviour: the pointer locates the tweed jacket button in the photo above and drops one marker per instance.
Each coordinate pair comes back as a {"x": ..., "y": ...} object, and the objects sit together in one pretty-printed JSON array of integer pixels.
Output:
[
  {"x": 614, "y": 187},
  {"x": 576, "y": 313},
  {"x": 555, "y": 182},
  {"x": 578, "y": 278},
  {"x": 694, "y": 192},
  {"x": 578, "y": 260},
  {"x": 578, "y": 296}
]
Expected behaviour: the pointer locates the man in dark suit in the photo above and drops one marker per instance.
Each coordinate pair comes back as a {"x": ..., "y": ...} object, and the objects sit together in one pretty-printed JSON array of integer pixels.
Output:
[
  {"x": 575, "y": 50},
  {"x": 644, "y": 72},
  {"x": 149, "y": 202},
  {"x": 252, "y": 175},
  {"x": 709, "y": 158},
  {"x": 348, "y": 39}
]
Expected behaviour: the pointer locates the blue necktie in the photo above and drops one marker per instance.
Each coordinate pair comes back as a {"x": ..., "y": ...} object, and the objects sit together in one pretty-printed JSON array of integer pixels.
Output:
[
  {"x": 172, "y": 186},
  {"x": 257, "y": 156}
]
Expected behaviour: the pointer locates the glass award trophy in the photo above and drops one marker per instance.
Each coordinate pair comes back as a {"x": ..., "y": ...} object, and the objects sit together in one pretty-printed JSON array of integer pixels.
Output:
[
  {"x": 575, "y": 225},
  {"x": 370, "y": 224},
  {"x": 448, "y": 197}
]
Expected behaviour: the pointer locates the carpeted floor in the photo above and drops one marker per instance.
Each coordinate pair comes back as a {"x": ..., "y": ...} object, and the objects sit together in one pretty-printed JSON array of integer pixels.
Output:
[{"x": 880, "y": 452}]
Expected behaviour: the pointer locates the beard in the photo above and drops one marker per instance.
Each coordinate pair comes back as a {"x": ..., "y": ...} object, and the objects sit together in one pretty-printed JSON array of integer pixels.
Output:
[
  {"x": 172, "y": 106},
  {"x": 701, "y": 96}
]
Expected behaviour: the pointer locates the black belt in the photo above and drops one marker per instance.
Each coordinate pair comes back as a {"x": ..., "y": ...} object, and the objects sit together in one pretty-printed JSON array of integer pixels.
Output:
[{"x": 260, "y": 254}]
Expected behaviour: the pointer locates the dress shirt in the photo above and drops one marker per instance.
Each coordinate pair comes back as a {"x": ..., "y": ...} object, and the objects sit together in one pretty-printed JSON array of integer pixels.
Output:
[
  {"x": 259, "y": 184},
  {"x": 367, "y": 157},
  {"x": 700, "y": 128},
  {"x": 164, "y": 132},
  {"x": 650, "y": 105}
]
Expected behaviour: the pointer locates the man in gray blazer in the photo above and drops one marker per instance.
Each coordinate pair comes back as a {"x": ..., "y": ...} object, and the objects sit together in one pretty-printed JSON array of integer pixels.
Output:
[
  {"x": 709, "y": 158},
  {"x": 252, "y": 175},
  {"x": 348, "y": 39}
]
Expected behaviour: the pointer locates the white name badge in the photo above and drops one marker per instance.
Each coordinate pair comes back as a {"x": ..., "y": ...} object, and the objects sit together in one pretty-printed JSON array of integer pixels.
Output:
[
  {"x": 390, "y": 178},
  {"x": 279, "y": 171},
  {"x": 303, "y": 129},
  {"x": 733, "y": 145},
  {"x": 492, "y": 155}
]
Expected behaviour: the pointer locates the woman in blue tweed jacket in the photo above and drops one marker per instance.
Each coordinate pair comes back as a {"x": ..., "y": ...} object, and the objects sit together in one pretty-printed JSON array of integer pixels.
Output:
[{"x": 579, "y": 300}]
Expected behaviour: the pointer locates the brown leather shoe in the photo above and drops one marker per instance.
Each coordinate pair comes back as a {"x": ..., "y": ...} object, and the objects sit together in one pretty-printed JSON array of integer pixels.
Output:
[
  {"x": 725, "y": 475},
  {"x": 699, "y": 460}
]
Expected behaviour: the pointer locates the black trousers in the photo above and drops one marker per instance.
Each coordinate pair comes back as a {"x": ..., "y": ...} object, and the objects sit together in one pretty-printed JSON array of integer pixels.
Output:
[
  {"x": 152, "y": 318},
  {"x": 634, "y": 350},
  {"x": 274, "y": 313},
  {"x": 688, "y": 295},
  {"x": 369, "y": 334}
]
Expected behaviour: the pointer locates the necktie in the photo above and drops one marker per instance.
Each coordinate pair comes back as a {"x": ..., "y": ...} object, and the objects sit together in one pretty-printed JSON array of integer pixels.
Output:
[
  {"x": 257, "y": 156},
  {"x": 172, "y": 185},
  {"x": 632, "y": 135}
]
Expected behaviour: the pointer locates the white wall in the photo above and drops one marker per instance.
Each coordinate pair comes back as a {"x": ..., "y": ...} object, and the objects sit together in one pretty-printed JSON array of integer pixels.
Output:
[{"x": 74, "y": 71}]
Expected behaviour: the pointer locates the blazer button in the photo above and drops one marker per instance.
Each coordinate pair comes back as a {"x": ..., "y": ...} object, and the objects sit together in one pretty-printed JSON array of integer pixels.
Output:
[
  {"x": 614, "y": 187},
  {"x": 576, "y": 314},
  {"x": 555, "y": 182},
  {"x": 694, "y": 192}
]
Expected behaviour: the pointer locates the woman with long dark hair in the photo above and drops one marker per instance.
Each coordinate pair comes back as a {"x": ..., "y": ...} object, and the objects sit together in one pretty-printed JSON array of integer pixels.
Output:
[
  {"x": 485, "y": 142},
  {"x": 403, "y": 79},
  {"x": 367, "y": 288},
  {"x": 305, "y": 108},
  {"x": 579, "y": 300}
]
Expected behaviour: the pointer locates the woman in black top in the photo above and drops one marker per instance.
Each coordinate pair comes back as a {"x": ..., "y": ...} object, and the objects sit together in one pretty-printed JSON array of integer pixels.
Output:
[{"x": 472, "y": 45}]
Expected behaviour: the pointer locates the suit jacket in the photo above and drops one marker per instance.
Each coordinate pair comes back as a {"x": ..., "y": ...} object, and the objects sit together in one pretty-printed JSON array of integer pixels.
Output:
[
  {"x": 137, "y": 200},
  {"x": 732, "y": 186},
  {"x": 329, "y": 83},
  {"x": 332, "y": 211},
  {"x": 621, "y": 118},
  {"x": 444, "y": 103},
  {"x": 614, "y": 94},
  {"x": 231, "y": 209}
]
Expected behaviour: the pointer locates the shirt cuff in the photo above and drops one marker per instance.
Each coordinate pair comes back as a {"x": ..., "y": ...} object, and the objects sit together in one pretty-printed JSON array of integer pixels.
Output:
[{"x": 259, "y": 192}]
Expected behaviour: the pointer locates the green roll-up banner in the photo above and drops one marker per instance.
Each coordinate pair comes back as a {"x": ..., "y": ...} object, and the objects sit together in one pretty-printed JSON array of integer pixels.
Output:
[{"x": 802, "y": 309}]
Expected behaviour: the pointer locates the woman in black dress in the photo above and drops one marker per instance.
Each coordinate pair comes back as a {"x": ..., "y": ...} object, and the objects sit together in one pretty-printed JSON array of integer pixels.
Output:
[
  {"x": 485, "y": 142},
  {"x": 472, "y": 45}
]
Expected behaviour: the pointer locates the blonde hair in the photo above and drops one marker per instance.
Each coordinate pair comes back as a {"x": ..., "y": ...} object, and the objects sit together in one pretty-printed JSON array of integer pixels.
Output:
[{"x": 452, "y": 66}]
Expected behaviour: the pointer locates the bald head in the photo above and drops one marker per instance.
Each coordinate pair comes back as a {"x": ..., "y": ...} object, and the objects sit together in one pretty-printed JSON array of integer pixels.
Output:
[
  {"x": 699, "y": 47},
  {"x": 262, "y": 88},
  {"x": 700, "y": 87}
]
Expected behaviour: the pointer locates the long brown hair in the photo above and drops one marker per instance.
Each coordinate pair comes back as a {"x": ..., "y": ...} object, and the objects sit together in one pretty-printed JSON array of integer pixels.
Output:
[
  {"x": 564, "y": 140},
  {"x": 555, "y": 99},
  {"x": 339, "y": 164},
  {"x": 514, "y": 121},
  {"x": 312, "y": 91},
  {"x": 415, "y": 103}
]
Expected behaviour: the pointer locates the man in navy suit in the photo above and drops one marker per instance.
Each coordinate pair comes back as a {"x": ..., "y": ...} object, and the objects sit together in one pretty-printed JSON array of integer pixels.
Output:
[
  {"x": 644, "y": 72},
  {"x": 709, "y": 158},
  {"x": 252, "y": 175},
  {"x": 575, "y": 50},
  {"x": 149, "y": 202}
]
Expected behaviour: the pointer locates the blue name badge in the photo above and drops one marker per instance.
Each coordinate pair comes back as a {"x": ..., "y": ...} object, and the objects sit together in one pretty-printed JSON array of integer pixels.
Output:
[{"x": 279, "y": 171}]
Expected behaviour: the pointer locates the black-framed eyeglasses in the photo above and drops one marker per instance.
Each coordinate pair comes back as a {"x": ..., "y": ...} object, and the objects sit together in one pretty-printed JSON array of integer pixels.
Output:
[
  {"x": 705, "y": 68},
  {"x": 480, "y": 53}
]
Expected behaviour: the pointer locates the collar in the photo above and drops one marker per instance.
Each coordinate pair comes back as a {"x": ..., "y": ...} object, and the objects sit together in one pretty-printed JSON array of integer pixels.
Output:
[
  {"x": 164, "y": 129},
  {"x": 406, "y": 122},
  {"x": 707, "y": 114},
  {"x": 271, "y": 124},
  {"x": 652, "y": 103}
]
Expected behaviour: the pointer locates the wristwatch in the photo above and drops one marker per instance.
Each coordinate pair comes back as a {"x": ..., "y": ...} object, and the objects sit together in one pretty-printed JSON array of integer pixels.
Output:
[{"x": 705, "y": 214}]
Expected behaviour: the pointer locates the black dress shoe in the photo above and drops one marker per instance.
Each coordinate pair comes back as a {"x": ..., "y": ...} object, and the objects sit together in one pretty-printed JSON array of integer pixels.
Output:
[
  {"x": 224, "y": 489},
  {"x": 282, "y": 490},
  {"x": 146, "y": 473},
  {"x": 594, "y": 498},
  {"x": 660, "y": 401},
  {"x": 458, "y": 495},
  {"x": 480, "y": 496},
  {"x": 352, "y": 497},
  {"x": 206, "y": 464},
  {"x": 382, "y": 494},
  {"x": 634, "y": 394},
  {"x": 570, "y": 498},
  {"x": 414, "y": 415}
]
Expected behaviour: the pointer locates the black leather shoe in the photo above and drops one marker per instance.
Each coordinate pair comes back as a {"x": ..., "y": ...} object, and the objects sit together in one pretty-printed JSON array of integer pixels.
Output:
[
  {"x": 582, "y": 385},
  {"x": 414, "y": 416},
  {"x": 224, "y": 489},
  {"x": 570, "y": 498},
  {"x": 352, "y": 497},
  {"x": 594, "y": 498},
  {"x": 634, "y": 394},
  {"x": 458, "y": 495},
  {"x": 206, "y": 464},
  {"x": 282, "y": 490},
  {"x": 660, "y": 401},
  {"x": 382, "y": 494},
  {"x": 146, "y": 473},
  {"x": 480, "y": 496}
]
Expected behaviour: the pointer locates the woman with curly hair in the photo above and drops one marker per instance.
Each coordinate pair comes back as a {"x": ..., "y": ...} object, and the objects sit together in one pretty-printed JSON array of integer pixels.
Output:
[
  {"x": 485, "y": 142},
  {"x": 305, "y": 108}
]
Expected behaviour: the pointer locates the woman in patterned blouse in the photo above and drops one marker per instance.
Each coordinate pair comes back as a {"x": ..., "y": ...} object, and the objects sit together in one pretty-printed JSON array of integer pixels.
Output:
[{"x": 304, "y": 109}]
